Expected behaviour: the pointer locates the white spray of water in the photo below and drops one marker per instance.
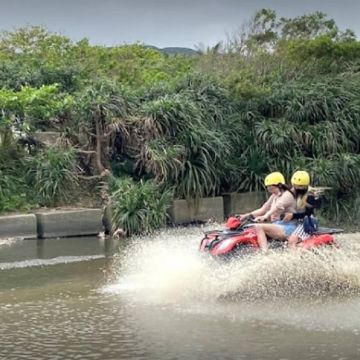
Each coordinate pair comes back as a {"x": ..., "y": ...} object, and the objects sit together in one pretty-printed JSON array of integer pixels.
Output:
[
  {"x": 167, "y": 268},
  {"x": 47, "y": 262},
  {"x": 9, "y": 242}
]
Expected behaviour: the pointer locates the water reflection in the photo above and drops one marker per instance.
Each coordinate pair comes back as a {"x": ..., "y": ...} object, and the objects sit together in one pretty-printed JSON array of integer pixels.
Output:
[
  {"x": 40, "y": 244},
  {"x": 23, "y": 252}
]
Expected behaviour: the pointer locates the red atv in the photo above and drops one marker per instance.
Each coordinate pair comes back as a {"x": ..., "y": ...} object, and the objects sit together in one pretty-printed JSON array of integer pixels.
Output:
[{"x": 240, "y": 238}]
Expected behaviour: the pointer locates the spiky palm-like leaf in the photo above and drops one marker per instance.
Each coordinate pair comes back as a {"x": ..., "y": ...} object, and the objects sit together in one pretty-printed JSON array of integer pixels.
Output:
[
  {"x": 54, "y": 172},
  {"x": 163, "y": 160},
  {"x": 138, "y": 207},
  {"x": 277, "y": 136}
]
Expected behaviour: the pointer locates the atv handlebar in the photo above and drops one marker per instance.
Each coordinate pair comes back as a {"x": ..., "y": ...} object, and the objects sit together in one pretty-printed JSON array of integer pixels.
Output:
[
  {"x": 247, "y": 217},
  {"x": 237, "y": 222}
]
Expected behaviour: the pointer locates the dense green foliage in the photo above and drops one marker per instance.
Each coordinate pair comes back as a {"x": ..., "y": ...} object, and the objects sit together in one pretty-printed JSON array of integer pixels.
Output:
[
  {"x": 53, "y": 173},
  {"x": 138, "y": 207},
  {"x": 281, "y": 94}
]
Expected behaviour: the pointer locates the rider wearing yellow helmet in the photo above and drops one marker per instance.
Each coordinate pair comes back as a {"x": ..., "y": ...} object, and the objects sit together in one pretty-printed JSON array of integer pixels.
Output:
[
  {"x": 306, "y": 201},
  {"x": 280, "y": 201},
  {"x": 295, "y": 204},
  {"x": 274, "y": 179},
  {"x": 275, "y": 184},
  {"x": 288, "y": 228},
  {"x": 300, "y": 182},
  {"x": 300, "y": 179}
]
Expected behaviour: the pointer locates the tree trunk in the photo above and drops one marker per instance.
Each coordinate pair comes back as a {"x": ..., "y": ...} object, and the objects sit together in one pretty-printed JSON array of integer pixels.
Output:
[{"x": 98, "y": 155}]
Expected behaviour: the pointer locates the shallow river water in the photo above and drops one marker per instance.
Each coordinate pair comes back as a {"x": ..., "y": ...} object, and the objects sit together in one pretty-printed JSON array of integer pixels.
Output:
[{"x": 157, "y": 298}]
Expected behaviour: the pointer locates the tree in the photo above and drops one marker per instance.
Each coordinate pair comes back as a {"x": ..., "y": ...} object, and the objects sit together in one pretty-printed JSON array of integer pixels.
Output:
[
  {"x": 33, "y": 41},
  {"x": 24, "y": 111},
  {"x": 311, "y": 26},
  {"x": 265, "y": 31},
  {"x": 101, "y": 109}
]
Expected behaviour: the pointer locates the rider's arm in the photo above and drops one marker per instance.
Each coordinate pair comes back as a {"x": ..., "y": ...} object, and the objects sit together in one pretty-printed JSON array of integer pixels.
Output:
[
  {"x": 269, "y": 213},
  {"x": 262, "y": 210},
  {"x": 300, "y": 215},
  {"x": 311, "y": 203},
  {"x": 286, "y": 200}
]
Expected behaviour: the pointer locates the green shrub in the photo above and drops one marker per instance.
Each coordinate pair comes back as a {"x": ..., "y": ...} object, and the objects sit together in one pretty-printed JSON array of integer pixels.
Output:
[
  {"x": 180, "y": 136},
  {"x": 54, "y": 174},
  {"x": 138, "y": 207},
  {"x": 12, "y": 193}
]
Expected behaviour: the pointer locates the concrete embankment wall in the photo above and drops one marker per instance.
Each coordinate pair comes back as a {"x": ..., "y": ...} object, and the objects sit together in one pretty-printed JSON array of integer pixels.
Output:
[
  {"x": 54, "y": 223},
  {"x": 19, "y": 226},
  {"x": 184, "y": 211},
  {"x": 237, "y": 203},
  {"x": 79, "y": 222},
  {"x": 215, "y": 208},
  {"x": 66, "y": 223}
]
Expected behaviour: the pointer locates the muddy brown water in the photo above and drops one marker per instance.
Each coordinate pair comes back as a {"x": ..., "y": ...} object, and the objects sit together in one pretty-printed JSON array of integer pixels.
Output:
[{"x": 157, "y": 298}]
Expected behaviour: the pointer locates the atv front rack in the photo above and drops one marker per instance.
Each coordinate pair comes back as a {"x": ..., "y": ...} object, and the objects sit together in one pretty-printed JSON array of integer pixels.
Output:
[{"x": 325, "y": 230}]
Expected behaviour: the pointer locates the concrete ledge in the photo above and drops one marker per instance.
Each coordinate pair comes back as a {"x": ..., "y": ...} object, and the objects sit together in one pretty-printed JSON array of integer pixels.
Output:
[
  {"x": 237, "y": 203},
  {"x": 64, "y": 223},
  {"x": 185, "y": 211},
  {"x": 48, "y": 138},
  {"x": 18, "y": 226}
]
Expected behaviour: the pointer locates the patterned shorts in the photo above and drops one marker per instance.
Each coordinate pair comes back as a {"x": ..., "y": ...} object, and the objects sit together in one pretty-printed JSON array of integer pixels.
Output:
[{"x": 300, "y": 232}]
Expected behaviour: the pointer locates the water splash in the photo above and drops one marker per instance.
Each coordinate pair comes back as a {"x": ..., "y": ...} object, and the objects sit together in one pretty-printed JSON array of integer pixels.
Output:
[
  {"x": 167, "y": 268},
  {"x": 9, "y": 241}
]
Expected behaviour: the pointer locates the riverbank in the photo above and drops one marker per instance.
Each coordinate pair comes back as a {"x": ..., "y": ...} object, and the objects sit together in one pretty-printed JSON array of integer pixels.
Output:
[{"x": 80, "y": 221}]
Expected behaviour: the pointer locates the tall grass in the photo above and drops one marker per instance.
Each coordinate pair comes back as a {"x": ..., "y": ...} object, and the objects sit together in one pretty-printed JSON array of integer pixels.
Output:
[
  {"x": 54, "y": 173},
  {"x": 138, "y": 207}
]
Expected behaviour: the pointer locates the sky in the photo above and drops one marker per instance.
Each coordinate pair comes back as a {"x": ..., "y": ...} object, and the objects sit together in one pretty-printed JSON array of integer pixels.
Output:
[{"x": 162, "y": 23}]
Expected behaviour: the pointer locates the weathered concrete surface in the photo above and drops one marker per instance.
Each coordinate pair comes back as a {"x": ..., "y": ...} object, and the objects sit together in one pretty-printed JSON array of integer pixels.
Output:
[
  {"x": 18, "y": 226},
  {"x": 184, "y": 211},
  {"x": 237, "y": 203},
  {"x": 107, "y": 220},
  {"x": 48, "y": 138},
  {"x": 64, "y": 223}
]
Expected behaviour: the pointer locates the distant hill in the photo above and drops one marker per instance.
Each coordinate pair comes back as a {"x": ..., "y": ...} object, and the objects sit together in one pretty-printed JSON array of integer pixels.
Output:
[
  {"x": 175, "y": 50},
  {"x": 178, "y": 50}
]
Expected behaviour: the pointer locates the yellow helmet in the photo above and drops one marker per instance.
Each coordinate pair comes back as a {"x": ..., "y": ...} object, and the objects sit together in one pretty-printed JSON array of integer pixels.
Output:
[
  {"x": 300, "y": 178},
  {"x": 275, "y": 178}
]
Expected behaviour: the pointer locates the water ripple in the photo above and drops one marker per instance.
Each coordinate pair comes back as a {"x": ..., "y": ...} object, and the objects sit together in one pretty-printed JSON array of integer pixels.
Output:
[{"x": 47, "y": 262}]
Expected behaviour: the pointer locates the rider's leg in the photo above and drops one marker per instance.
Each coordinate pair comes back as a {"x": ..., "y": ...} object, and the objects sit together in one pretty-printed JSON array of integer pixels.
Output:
[
  {"x": 292, "y": 241},
  {"x": 297, "y": 235},
  {"x": 261, "y": 237},
  {"x": 272, "y": 231}
]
